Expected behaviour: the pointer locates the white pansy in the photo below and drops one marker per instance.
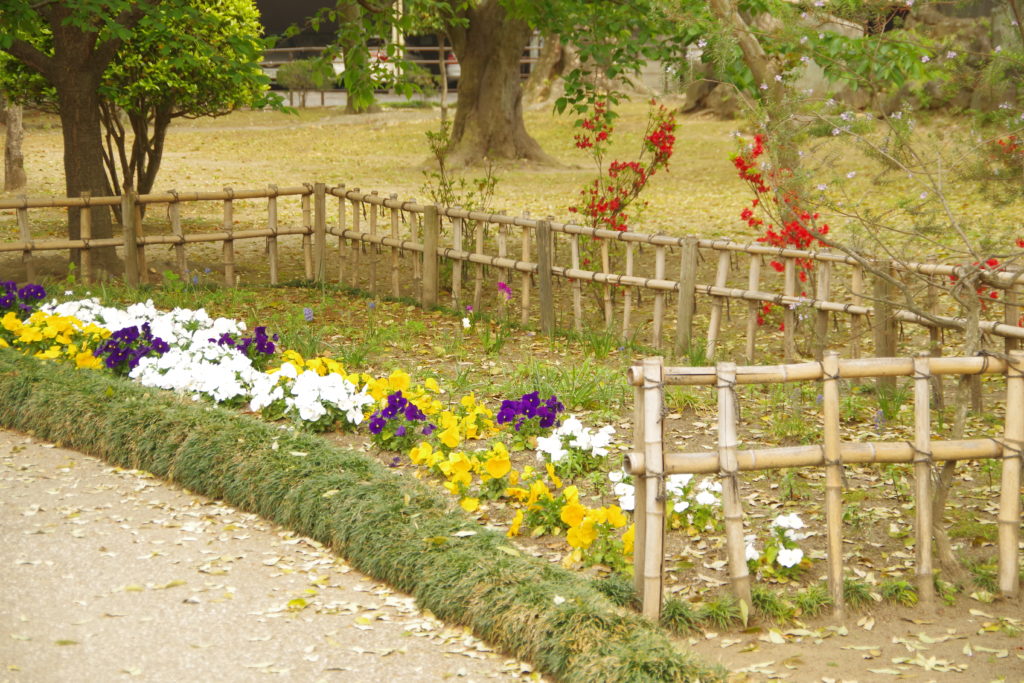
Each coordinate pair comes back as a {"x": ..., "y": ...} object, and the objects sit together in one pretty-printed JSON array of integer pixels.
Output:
[
  {"x": 751, "y": 552},
  {"x": 626, "y": 494},
  {"x": 789, "y": 557}
]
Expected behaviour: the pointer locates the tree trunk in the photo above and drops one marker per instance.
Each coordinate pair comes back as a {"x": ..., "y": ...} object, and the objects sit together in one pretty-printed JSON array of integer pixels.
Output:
[
  {"x": 14, "y": 160},
  {"x": 555, "y": 59},
  {"x": 489, "y": 114}
]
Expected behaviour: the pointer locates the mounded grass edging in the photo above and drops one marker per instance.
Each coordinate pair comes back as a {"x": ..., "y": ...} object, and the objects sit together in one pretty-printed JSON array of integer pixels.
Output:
[{"x": 387, "y": 525}]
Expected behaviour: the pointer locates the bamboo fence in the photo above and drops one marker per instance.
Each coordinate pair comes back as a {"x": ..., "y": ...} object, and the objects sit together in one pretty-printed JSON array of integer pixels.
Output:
[
  {"x": 568, "y": 276},
  {"x": 650, "y": 464}
]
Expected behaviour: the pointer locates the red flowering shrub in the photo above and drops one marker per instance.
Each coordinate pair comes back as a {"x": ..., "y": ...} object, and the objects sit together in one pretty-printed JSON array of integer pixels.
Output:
[{"x": 605, "y": 200}]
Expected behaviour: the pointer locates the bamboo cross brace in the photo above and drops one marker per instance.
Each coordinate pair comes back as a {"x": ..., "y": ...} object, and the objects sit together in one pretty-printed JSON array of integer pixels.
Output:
[
  {"x": 272, "y": 239},
  {"x": 654, "y": 500},
  {"x": 923, "y": 481},
  {"x": 715, "y": 324},
  {"x": 754, "y": 307},
  {"x": 1009, "y": 498},
  {"x": 833, "y": 480},
  {"x": 732, "y": 509}
]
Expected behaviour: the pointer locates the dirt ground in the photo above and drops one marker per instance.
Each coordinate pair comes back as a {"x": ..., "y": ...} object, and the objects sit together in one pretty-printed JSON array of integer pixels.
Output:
[{"x": 111, "y": 574}]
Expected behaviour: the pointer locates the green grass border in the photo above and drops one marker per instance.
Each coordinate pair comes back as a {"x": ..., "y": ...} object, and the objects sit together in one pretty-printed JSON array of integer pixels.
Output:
[{"x": 386, "y": 524}]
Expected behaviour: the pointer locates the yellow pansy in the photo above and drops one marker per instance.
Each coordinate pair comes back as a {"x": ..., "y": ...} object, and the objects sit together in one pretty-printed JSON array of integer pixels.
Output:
[
  {"x": 554, "y": 477},
  {"x": 571, "y": 493},
  {"x": 538, "y": 490},
  {"x": 517, "y": 521},
  {"x": 470, "y": 504},
  {"x": 399, "y": 380},
  {"x": 582, "y": 536},
  {"x": 628, "y": 539},
  {"x": 86, "y": 359},
  {"x": 572, "y": 514},
  {"x": 432, "y": 385},
  {"x": 450, "y": 437},
  {"x": 616, "y": 517},
  {"x": 517, "y": 493},
  {"x": 498, "y": 466}
]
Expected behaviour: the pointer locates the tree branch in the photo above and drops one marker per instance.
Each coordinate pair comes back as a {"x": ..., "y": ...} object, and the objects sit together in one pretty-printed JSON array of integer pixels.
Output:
[{"x": 32, "y": 57}]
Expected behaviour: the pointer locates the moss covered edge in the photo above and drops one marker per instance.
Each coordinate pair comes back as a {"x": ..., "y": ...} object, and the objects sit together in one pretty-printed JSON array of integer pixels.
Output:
[{"x": 387, "y": 525}]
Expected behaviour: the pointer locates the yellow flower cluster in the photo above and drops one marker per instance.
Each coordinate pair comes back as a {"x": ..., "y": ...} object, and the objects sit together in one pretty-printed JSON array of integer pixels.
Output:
[{"x": 54, "y": 337}]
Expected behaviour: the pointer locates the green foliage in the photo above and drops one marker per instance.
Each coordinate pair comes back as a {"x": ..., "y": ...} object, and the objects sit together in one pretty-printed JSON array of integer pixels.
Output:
[
  {"x": 390, "y": 526},
  {"x": 772, "y": 605},
  {"x": 813, "y": 600},
  {"x": 584, "y": 385},
  {"x": 899, "y": 591},
  {"x": 722, "y": 612},
  {"x": 856, "y": 593},
  {"x": 305, "y": 74},
  {"x": 445, "y": 187},
  {"x": 619, "y": 589},
  {"x": 679, "y": 616}
]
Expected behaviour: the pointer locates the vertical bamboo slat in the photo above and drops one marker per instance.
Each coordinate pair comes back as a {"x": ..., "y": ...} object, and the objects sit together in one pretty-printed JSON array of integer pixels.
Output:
[
  {"x": 457, "y": 228},
  {"x": 754, "y": 307},
  {"x": 26, "y": 236},
  {"x": 823, "y": 293},
  {"x": 935, "y": 335},
  {"x": 131, "y": 255},
  {"x": 659, "y": 298},
  {"x": 372, "y": 249},
  {"x": 503, "y": 253},
  {"x": 143, "y": 266},
  {"x": 687, "y": 303},
  {"x": 356, "y": 244},
  {"x": 739, "y": 577},
  {"x": 639, "y": 495},
  {"x": 833, "y": 480},
  {"x": 228, "y": 249},
  {"x": 478, "y": 286},
  {"x": 654, "y": 513},
  {"x": 396, "y": 290},
  {"x": 1009, "y": 494},
  {"x": 715, "y": 323},
  {"x": 1012, "y": 298},
  {"x": 923, "y": 481},
  {"x": 884, "y": 326},
  {"x": 788, "y": 313},
  {"x": 180, "y": 257},
  {"x": 856, "y": 320},
  {"x": 606, "y": 268},
  {"x": 525, "y": 280},
  {"x": 272, "y": 239},
  {"x": 307, "y": 236},
  {"x": 341, "y": 231},
  {"x": 627, "y": 292},
  {"x": 320, "y": 232},
  {"x": 577, "y": 287},
  {"x": 431, "y": 236},
  {"x": 414, "y": 235},
  {"x": 544, "y": 283},
  {"x": 85, "y": 224}
]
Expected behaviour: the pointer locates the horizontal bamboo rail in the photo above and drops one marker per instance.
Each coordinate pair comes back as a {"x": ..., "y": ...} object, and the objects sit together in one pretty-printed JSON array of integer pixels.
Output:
[{"x": 649, "y": 464}]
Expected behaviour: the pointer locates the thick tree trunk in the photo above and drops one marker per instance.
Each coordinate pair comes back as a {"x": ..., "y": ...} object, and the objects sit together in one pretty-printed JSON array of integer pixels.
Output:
[
  {"x": 14, "y": 160},
  {"x": 555, "y": 59},
  {"x": 489, "y": 115}
]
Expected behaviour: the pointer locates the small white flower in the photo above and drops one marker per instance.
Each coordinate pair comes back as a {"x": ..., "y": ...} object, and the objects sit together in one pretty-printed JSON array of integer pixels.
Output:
[
  {"x": 836, "y": 131},
  {"x": 951, "y": 54},
  {"x": 822, "y": 187},
  {"x": 851, "y": 174},
  {"x": 925, "y": 59},
  {"x": 924, "y": 195},
  {"x": 778, "y": 78},
  {"x": 789, "y": 557},
  {"x": 763, "y": 86},
  {"x": 558, "y": 599},
  {"x": 466, "y": 324},
  {"x": 706, "y": 498},
  {"x": 616, "y": 476},
  {"x": 702, "y": 43}
]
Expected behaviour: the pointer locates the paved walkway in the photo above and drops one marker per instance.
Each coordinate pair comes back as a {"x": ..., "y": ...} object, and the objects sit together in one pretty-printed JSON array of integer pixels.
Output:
[{"x": 108, "y": 574}]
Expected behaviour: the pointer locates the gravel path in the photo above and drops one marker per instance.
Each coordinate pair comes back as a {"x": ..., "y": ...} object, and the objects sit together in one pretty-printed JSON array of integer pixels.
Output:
[{"x": 109, "y": 574}]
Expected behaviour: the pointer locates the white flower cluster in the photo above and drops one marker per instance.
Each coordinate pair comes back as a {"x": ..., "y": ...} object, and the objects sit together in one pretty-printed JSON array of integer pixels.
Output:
[
  {"x": 788, "y": 526},
  {"x": 572, "y": 435},
  {"x": 675, "y": 485},
  {"x": 198, "y": 366},
  {"x": 708, "y": 491}
]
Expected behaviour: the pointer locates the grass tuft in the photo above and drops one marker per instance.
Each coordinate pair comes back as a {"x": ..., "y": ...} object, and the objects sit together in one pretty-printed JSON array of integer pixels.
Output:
[
  {"x": 723, "y": 612},
  {"x": 899, "y": 591},
  {"x": 679, "y": 616},
  {"x": 856, "y": 593},
  {"x": 813, "y": 600},
  {"x": 618, "y": 589},
  {"x": 772, "y": 605}
]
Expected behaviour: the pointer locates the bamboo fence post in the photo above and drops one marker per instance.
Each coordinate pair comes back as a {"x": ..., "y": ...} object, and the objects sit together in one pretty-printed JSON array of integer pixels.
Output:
[
  {"x": 357, "y": 243},
  {"x": 659, "y": 297},
  {"x": 788, "y": 312},
  {"x": 856, "y": 319},
  {"x": 923, "y": 480},
  {"x": 143, "y": 268},
  {"x": 823, "y": 292},
  {"x": 544, "y": 284},
  {"x": 86, "y": 235},
  {"x": 606, "y": 268},
  {"x": 180, "y": 257},
  {"x": 457, "y": 227},
  {"x": 373, "y": 249},
  {"x": 715, "y": 324},
  {"x": 341, "y": 238},
  {"x": 1012, "y": 296},
  {"x": 396, "y": 289},
  {"x": 503, "y": 253},
  {"x": 935, "y": 334},
  {"x": 884, "y": 326},
  {"x": 1009, "y": 498},
  {"x": 272, "y": 238},
  {"x": 26, "y": 236},
  {"x": 833, "y": 480},
  {"x": 414, "y": 233},
  {"x": 478, "y": 285},
  {"x": 131, "y": 254},
  {"x": 320, "y": 231},
  {"x": 525, "y": 280},
  {"x": 639, "y": 494},
  {"x": 577, "y": 286},
  {"x": 228, "y": 248},
  {"x": 739, "y": 577},
  {"x": 754, "y": 307},
  {"x": 687, "y": 304},
  {"x": 627, "y": 292},
  {"x": 654, "y": 513},
  {"x": 431, "y": 234},
  {"x": 307, "y": 236}
]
